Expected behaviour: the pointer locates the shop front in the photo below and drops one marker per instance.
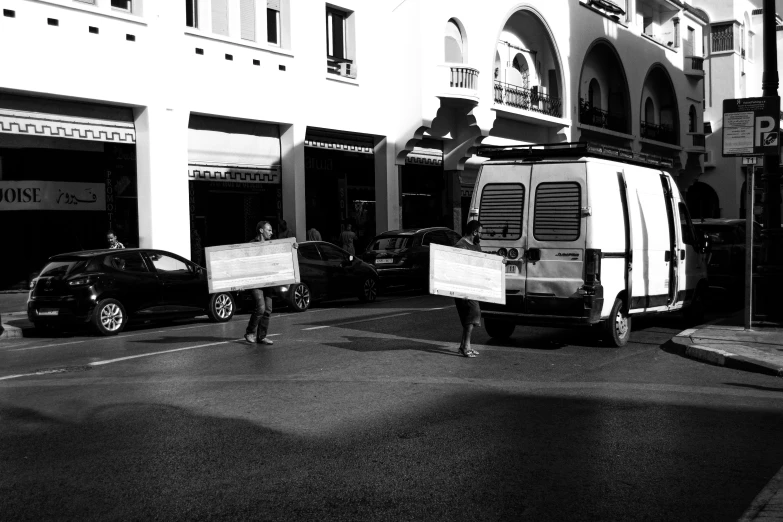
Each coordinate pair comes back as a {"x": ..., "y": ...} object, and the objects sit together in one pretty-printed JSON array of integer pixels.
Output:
[
  {"x": 340, "y": 186},
  {"x": 234, "y": 181},
  {"x": 67, "y": 176}
]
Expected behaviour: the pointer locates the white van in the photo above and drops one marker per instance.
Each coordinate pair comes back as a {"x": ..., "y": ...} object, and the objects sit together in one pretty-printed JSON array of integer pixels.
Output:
[{"x": 588, "y": 236}]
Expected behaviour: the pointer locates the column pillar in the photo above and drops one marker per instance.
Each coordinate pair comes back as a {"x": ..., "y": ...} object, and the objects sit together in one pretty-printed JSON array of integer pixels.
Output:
[
  {"x": 292, "y": 137},
  {"x": 454, "y": 199},
  {"x": 387, "y": 187},
  {"x": 161, "y": 170}
]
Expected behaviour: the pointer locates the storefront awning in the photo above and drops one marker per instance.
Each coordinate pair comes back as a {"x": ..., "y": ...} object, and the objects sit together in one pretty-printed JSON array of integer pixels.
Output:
[
  {"x": 423, "y": 156},
  {"x": 61, "y": 126}
]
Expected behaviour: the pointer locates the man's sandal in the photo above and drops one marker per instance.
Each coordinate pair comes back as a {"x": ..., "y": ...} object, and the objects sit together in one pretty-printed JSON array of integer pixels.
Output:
[{"x": 463, "y": 353}]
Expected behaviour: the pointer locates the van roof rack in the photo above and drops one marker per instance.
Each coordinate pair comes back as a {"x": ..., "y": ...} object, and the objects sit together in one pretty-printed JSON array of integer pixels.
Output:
[{"x": 574, "y": 149}]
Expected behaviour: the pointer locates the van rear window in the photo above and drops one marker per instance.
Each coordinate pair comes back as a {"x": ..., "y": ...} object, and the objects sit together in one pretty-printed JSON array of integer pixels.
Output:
[
  {"x": 556, "y": 213},
  {"x": 500, "y": 210}
]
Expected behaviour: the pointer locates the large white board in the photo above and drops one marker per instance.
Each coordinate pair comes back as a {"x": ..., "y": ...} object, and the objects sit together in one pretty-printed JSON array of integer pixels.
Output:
[
  {"x": 455, "y": 272},
  {"x": 252, "y": 265}
]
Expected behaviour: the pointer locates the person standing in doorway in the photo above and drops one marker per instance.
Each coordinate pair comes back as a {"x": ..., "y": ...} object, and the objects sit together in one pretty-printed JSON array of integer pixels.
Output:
[
  {"x": 284, "y": 232},
  {"x": 347, "y": 238},
  {"x": 111, "y": 237},
  {"x": 468, "y": 310}
]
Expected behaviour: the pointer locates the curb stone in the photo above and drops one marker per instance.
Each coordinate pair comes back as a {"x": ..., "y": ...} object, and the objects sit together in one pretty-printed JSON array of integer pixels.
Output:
[
  {"x": 684, "y": 346},
  {"x": 10, "y": 332}
]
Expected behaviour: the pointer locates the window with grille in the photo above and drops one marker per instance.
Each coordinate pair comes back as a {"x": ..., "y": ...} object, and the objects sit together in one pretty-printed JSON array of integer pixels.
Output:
[
  {"x": 501, "y": 210},
  {"x": 556, "y": 215}
]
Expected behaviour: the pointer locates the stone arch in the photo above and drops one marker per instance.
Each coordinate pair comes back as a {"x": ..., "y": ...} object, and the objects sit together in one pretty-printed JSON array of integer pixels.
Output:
[
  {"x": 602, "y": 63},
  {"x": 702, "y": 201},
  {"x": 455, "y": 44}
]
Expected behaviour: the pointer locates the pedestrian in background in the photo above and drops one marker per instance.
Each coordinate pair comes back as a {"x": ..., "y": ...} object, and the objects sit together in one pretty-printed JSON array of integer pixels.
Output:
[
  {"x": 313, "y": 234},
  {"x": 111, "y": 237},
  {"x": 347, "y": 238},
  {"x": 284, "y": 232},
  {"x": 468, "y": 309}
]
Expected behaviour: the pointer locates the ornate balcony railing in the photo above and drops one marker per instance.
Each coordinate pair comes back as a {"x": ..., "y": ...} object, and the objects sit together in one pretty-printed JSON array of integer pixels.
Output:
[
  {"x": 722, "y": 37},
  {"x": 590, "y": 115},
  {"x": 663, "y": 133},
  {"x": 696, "y": 62},
  {"x": 462, "y": 77},
  {"x": 698, "y": 140},
  {"x": 528, "y": 99}
]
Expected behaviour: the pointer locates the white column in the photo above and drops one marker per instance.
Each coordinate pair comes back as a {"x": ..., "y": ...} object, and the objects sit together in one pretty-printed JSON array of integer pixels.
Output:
[
  {"x": 161, "y": 170},
  {"x": 292, "y": 138},
  {"x": 387, "y": 188}
]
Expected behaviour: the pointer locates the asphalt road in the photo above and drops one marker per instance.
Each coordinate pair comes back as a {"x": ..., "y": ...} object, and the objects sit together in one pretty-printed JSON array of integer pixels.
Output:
[{"x": 365, "y": 412}]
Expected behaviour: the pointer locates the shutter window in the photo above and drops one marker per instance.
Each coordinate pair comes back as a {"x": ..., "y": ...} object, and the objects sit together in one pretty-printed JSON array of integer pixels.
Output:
[
  {"x": 501, "y": 209},
  {"x": 556, "y": 213},
  {"x": 247, "y": 14},
  {"x": 220, "y": 17}
]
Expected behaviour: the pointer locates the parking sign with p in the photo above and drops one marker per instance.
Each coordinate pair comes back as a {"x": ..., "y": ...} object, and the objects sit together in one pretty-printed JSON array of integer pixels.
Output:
[{"x": 751, "y": 126}]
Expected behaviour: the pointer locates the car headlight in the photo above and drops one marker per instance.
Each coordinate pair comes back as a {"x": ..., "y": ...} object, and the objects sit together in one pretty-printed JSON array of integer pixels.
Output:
[
  {"x": 80, "y": 281},
  {"x": 502, "y": 252},
  {"x": 32, "y": 283},
  {"x": 513, "y": 253}
]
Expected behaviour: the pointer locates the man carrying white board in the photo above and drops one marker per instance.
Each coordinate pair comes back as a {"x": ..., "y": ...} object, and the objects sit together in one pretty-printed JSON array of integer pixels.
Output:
[
  {"x": 468, "y": 310},
  {"x": 258, "y": 325}
]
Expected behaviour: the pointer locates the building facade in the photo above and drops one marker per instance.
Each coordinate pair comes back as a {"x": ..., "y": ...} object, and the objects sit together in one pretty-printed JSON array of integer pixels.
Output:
[{"x": 179, "y": 125}]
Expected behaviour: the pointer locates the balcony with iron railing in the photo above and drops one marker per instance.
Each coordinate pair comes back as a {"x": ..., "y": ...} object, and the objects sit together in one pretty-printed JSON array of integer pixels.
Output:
[
  {"x": 694, "y": 66},
  {"x": 596, "y": 117},
  {"x": 722, "y": 38},
  {"x": 459, "y": 81},
  {"x": 656, "y": 132},
  {"x": 528, "y": 99}
]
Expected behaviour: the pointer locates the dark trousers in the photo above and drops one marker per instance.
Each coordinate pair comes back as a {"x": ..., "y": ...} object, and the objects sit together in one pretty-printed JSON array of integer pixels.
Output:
[{"x": 259, "y": 319}]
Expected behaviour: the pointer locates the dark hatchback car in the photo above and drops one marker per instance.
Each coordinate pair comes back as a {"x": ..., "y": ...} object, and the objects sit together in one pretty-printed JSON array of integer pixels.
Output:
[
  {"x": 402, "y": 257},
  {"x": 725, "y": 251},
  {"x": 110, "y": 288},
  {"x": 327, "y": 271}
]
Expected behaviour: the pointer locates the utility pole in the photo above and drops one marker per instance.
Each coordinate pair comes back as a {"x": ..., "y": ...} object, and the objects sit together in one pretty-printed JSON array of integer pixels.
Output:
[{"x": 771, "y": 271}]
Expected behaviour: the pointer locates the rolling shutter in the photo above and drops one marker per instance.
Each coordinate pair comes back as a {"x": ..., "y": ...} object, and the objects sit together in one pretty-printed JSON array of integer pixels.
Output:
[
  {"x": 556, "y": 213},
  {"x": 220, "y": 17},
  {"x": 501, "y": 209},
  {"x": 247, "y": 14}
]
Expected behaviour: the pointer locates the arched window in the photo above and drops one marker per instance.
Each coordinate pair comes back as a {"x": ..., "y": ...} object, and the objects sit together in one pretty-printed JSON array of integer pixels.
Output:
[
  {"x": 649, "y": 111},
  {"x": 454, "y": 44},
  {"x": 520, "y": 65},
  {"x": 594, "y": 94},
  {"x": 692, "y": 119}
]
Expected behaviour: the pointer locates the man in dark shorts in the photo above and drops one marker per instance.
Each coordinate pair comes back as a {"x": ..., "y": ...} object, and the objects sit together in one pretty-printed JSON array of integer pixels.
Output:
[{"x": 468, "y": 309}]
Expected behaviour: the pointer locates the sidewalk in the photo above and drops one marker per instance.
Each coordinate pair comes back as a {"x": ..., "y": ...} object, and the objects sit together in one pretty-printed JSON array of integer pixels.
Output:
[{"x": 725, "y": 342}]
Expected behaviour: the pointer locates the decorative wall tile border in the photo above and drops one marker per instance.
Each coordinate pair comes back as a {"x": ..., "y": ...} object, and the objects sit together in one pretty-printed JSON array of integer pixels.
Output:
[
  {"x": 228, "y": 174},
  {"x": 56, "y": 126}
]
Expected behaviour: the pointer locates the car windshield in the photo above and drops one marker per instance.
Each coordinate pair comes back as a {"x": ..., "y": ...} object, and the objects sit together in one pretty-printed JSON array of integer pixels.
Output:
[
  {"x": 390, "y": 243},
  {"x": 723, "y": 235},
  {"x": 60, "y": 268}
]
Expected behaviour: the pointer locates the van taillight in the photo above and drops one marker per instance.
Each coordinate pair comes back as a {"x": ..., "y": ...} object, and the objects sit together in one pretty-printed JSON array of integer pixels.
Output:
[{"x": 592, "y": 265}]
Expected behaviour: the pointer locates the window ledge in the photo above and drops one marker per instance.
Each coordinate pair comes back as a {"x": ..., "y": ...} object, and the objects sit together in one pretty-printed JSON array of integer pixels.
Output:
[
  {"x": 601, "y": 13},
  {"x": 602, "y": 130},
  {"x": 89, "y": 8},
  {"x": 240, "y": 43},
  {"x": 341, "y": 79},
  {"x": 652, "y": 39}
]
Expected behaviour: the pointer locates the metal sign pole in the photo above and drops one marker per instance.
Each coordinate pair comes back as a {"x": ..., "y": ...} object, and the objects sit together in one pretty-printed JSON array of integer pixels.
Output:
[{"x": 749, "y": 182}]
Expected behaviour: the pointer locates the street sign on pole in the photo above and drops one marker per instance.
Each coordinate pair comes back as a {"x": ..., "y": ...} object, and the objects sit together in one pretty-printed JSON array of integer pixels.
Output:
[
  {"x": 751, "y": 126},
  {"x": 749, "y": 182}
]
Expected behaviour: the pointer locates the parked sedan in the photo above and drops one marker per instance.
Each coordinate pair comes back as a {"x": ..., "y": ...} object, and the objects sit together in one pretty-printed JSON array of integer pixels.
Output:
[
  {"x": 725, "y": 251},
  {"x": 402, "y": 257},
  {"x": 109, "y": 288},
  {"x": 328, "y": 272}
]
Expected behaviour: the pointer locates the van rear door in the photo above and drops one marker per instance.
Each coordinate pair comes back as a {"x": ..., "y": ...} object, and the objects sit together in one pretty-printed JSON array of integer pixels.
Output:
[
  {"x": 501, "y": 198},
  {"x": 556, "y": 238}
]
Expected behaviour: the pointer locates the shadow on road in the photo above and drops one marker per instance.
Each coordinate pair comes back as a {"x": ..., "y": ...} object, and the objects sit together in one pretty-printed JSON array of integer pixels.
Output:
[{"x": 471, "y": 455}]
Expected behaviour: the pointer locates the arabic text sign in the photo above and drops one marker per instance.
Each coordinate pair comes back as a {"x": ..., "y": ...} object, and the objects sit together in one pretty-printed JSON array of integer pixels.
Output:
[
  {"x": 52, "y": 195},
  {"x": 455, "y": 272},
  {"x": 252, "y": 265},
  {"x": 751, "y": 126}
]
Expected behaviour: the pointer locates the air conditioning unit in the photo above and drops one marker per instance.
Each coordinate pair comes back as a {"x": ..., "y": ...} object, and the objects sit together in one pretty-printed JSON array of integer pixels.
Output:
[{"x": 347, "y": 69}]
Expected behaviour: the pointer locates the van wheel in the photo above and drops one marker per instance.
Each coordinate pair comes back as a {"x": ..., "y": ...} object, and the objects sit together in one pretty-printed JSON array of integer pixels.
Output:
[
  {"x": 694, "y": 313},
  {"x": 617, "y": 329},
  {"x": 499, "y": 329},
  {"x": 109, "y": 317},
  {"x": 221, "y": 307}
]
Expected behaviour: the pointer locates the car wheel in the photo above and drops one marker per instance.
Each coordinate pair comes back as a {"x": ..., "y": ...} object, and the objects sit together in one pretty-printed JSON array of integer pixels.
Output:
[
  {"x": 617, "y": 328},
  {"x": 109, "y": 317},
  {"x": 499, "y": 329},
  {"x": 221, "y": 307},
  {"x": 369, "y": 290},
  {"x": 299, "y": 297}
]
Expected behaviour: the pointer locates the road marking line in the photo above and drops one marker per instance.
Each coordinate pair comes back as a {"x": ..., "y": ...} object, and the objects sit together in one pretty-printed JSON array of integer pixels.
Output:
[
  {"x": 272, "y": 335},
  {"x": 45, "y": 346},
  {"x": 372, "y": 319},
  {"x": 315, "y": 328},
  {"x": 109, "y": 361}
]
